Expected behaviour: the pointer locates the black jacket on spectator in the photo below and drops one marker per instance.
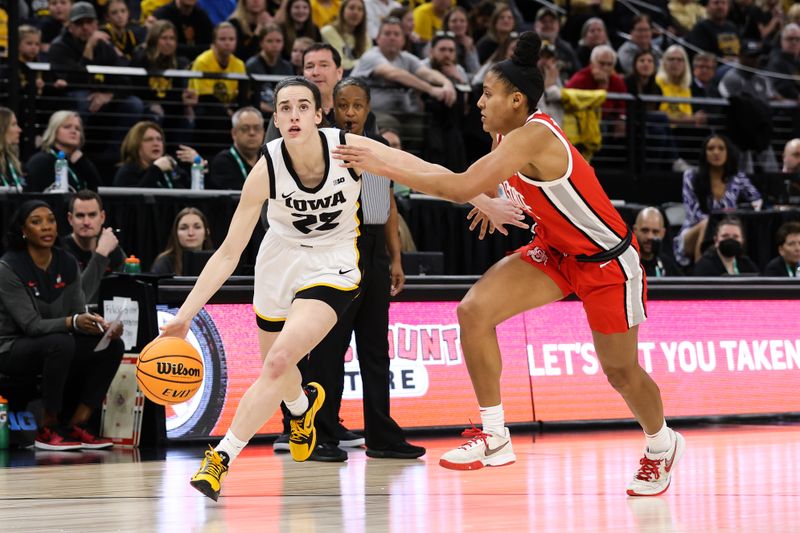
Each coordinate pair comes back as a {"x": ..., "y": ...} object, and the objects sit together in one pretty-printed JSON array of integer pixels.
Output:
[
  {"x": 50, "y": 29},
  {"x": 226, "y": 171},
  {"x": 265, "y": 91},
  {"x": 67, "y": 51},
  {"x": 166, "y": 91},
  {"x": 780, "y": 61},
  {"x": 661, "y": 266},
  {"x": 41, "y": 173},
  {"x": 130, "y": 175},
  {"x": 720, "y": 40},
  {"x": 778, "y": 268},
  {"x": 194, "y": 31},
  {"x": 711, "y": 265},
  {"x": 93, "y": 266}
]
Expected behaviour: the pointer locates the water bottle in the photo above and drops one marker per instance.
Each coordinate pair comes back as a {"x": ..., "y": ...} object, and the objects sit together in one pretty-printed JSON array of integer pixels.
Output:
[
  {"x": 198, "y": 174},
  {"x": 132, "y": 265},
  {"x": 62, "y": 178},
  {"x": 4, "y": 431}
]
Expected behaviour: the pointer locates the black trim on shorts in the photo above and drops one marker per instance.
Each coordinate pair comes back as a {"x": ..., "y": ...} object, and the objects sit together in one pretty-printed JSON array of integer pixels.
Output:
[
  {"x": 270, "y": 172},
  {"x": 338, "y": 299},
  {"x": 270, "y": 326},
  {"x": 351, "y": 170}
]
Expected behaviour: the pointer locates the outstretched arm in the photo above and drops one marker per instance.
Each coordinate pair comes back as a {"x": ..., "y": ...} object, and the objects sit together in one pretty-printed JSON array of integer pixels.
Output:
[
  {"x": 509, "y": 156},
  {"x": 222, "y": 264}
]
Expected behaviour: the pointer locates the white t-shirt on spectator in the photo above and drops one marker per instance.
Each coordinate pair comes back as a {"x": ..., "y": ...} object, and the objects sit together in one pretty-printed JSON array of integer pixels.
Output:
[
  {"x": 388, "y": 96},
  {"x": 376, "y": 11}
]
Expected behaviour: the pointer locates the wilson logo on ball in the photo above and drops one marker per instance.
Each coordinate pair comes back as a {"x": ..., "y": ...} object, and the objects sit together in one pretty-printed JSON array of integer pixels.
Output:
[{"x": 177, "y": 370}]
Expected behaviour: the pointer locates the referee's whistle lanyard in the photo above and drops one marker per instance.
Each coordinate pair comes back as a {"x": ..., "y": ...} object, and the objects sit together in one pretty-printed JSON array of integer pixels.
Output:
[
  {"x": 76, "y": 181},
  {"x": 239, "y": 162}
]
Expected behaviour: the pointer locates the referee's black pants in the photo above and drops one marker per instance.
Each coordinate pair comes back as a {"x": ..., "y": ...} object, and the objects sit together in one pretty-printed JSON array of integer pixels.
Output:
[{"x": 368, "y": 317}]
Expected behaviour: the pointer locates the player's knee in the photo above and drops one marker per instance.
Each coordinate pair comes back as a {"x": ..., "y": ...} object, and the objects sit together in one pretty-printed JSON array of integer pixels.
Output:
[
  {"x": 468, "y": 312},
  {"x": 277, "y": 363},
  {"x": 621, "y": 378}
]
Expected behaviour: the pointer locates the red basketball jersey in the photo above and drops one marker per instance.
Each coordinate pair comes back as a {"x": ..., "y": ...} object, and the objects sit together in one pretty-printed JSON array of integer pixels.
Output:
[{"x": 573, "y": 213}]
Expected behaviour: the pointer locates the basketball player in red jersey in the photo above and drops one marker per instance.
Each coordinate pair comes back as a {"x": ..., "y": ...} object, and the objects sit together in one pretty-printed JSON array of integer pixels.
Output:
[{"x": 580, "y": 245}]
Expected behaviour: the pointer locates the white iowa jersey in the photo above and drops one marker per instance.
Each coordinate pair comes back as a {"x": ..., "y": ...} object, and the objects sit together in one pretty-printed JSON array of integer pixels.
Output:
[{"x": 325, "y": 215}]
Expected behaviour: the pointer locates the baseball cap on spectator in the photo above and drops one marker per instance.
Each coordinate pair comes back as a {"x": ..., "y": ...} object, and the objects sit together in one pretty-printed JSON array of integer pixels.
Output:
[
  {"x": 546, "y": 12},
  {"x": 751, "y": 48},
  {"x": 82, "y": 11}
]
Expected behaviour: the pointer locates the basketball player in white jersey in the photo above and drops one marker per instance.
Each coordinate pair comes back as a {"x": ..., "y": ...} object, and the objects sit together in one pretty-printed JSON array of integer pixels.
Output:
[{"x": 307, "y": 271}]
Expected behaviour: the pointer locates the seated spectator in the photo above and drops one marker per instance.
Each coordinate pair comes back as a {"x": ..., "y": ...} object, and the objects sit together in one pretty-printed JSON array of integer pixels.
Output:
[
  {"x": 190, "y": 232},
  {"x": 323, "y": 12},
  {"x": 716, "y": 34},
  {"x": 456, "y": 21},
  {"x": 64, "y": 133},
  {"x": 10, "y": 166},
  {"x": 504, "y": 51},
  {"x": 193, "y": 25},
  {"x": 686, "y": 14},
  {"x": 301, "y": 44},
  {"x": 548, "y": 26},
  {"x": 144, "y": 163},
  {"x": 501, "y": 26},
  {"x": 96, "y": 249},
  {"x": 167, "y": 100},
  {"x": 786, "y": 60},
  {"x": 53, "y": 24},
  {"x": 649, "y": 230},
  {"x": 763, "y": 21},
  {"x": 600, "y": 75},
  {"x": 641, "y": 41},
  {"x": 593, "y": 33},
  {"x": 82, "y": 44},
  {"x": 674, "y": 78},
  {"x": 348, "y": 33},
  {"x": 248, "y": 19},
  {"x": 717, "y": 184},
  {"x": 787, "y": 264},
  {"x": 231, "y": 166},
  {"x": 298, "y": 23},
  {"x": 442, "y": 58},
  {"x": 377, "y": 10},
  {"x": 726, "y": 257},
  {"x": 30, "y": 45},
  {"x": 393, "y": 74},
  {"x": 392, "y": 137},
  {"x": 704, "y": 68},
  {"x": 428, "y": 18},
  {"x": 45, "y": 331},
  {"x": 791, "y": 157},
  {"x": 125, "y": 36},
  {"x": 268, "y": 61},
  {"x": 413, "y": 44},
  {"x": 550, "y": 102}
]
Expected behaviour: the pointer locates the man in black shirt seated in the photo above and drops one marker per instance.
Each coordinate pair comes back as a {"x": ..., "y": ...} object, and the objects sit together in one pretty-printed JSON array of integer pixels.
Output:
[
  {"x": 230, "y": 167},
  {"x": 649, "y": 230},
  {"x": 726, "y": 257},
  {"x": 96, "y": 248},
  {"x": 787, "y": 264}
]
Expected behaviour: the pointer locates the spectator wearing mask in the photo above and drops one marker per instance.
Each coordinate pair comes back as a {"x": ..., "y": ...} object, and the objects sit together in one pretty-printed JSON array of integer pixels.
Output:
[
  {"x": 715, "y": 185},
  {"x": 145, "y": 164},
  {"x": 231, "y": 166},
  {"x": 44, "y": 330},
  {"x": 726, "y": 257},
  {"x": 649, "y": 230},
  {"x": 193, "y": 25},
  {"x": 96, "y": 248},
  {"x": 787, "y": 264},
  {"x": 190, "y": 232},
  {"x": 64, "y": 133}
]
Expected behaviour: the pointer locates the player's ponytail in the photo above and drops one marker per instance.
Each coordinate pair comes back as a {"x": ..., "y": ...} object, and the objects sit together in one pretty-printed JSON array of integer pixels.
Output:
[{"x": 521, "y": 72}]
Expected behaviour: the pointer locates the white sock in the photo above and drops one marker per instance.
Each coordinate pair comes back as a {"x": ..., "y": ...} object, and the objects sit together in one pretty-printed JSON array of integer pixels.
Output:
[
  {"x": 660, "y": 442},
  {"x": 299, "y": 406},
  {"x": 493, "y": 419},
  {"x": 230, "y": 445}
]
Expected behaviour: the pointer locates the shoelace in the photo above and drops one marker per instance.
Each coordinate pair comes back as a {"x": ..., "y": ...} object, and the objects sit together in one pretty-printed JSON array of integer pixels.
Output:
[
  {"x": 649, "y": 470},
  {"x": 213, "y": 467},
  {"x": 474, "y": 434}
]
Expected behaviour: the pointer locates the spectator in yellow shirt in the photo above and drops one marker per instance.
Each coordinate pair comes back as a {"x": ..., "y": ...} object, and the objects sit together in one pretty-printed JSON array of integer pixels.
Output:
[
  {"x": 675, "y": 78},
  {"x": 219, "y": 59},
  {"x": 428, "y": 18},
  {"x": 324, "y": 11}
]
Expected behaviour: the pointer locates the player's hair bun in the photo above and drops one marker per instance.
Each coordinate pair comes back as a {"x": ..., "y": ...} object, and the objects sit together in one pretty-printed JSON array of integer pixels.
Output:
[{"x": 527, "y": 52}]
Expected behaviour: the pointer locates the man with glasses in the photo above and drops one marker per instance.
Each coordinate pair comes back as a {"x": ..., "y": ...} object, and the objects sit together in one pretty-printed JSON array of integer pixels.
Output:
[
  {"x": 230, "y": 167},
  {"x": 786, "y": 60},
  {"x": 704, "y": 68},
  {"x": 600, "y": 75}
]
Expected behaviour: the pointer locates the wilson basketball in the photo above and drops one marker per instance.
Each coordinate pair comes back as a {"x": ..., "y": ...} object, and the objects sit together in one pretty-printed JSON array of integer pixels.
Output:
[{"x": 169, "y": 371}]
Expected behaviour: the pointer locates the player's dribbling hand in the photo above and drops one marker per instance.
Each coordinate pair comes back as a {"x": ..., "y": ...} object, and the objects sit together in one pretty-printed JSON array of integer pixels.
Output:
[{"x": 176, "y": 328}]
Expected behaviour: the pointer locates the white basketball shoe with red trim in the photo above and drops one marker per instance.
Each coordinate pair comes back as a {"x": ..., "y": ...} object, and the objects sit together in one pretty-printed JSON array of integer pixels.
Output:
[
  {"x": 655, "y": 469},
  {"x": 482, "y": 449}
]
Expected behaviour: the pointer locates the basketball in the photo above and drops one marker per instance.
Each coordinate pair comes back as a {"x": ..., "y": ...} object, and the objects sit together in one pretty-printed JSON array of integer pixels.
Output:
[{"x": 169, "y": 371}]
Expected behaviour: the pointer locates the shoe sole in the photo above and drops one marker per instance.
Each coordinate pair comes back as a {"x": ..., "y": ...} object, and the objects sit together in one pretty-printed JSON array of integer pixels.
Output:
[
  {"x": 56, "y": 448},
  {"x": 205, "y": 487},
  {"x": 301, "y": 454},
  {"x": 498, "y": 460},
  {"x": 355, "y": 443},
  {"x": 86, "y": 446},
  {"x": 680, "y": 448},
  {"x": 381, "y": 454}
]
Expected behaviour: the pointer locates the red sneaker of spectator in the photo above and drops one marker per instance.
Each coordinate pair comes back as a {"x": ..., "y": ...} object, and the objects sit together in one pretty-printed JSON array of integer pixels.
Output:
[
  {"x": 49, "y": 439},
  {"x": 89, "y": 441}
]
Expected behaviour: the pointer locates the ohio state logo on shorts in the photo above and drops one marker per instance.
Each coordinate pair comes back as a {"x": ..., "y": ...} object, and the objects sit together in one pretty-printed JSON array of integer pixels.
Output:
[{"x": 538, "y": 255}]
